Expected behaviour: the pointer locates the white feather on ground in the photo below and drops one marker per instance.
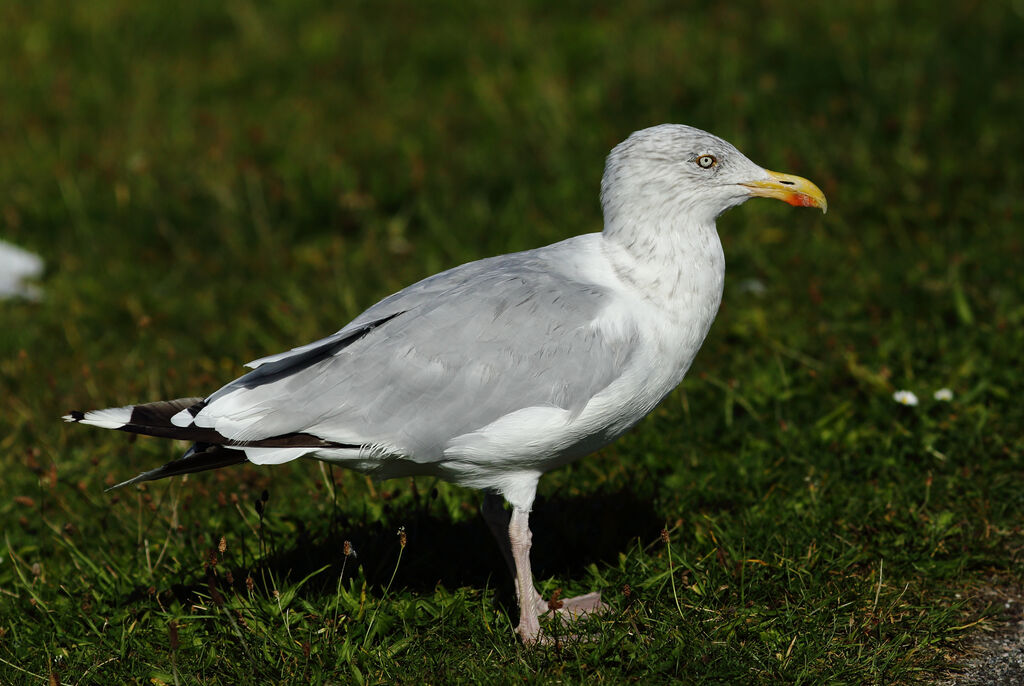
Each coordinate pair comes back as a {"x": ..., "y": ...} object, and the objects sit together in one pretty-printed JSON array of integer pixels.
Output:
[{"x": 17, "y": 268}]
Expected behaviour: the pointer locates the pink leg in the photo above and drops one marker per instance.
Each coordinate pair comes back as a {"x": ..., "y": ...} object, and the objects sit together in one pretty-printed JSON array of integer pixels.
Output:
[
  {"x": 520, "y": 539},
  {"x": 515, "y": 539}
]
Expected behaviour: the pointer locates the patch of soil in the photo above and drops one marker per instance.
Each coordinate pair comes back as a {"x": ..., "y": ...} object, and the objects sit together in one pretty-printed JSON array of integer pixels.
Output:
[{"x": 996, "y": 655}]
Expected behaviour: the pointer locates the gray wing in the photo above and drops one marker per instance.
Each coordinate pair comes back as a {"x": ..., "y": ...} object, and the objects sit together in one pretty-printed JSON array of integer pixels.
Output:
[{"x": 441, "y": 358}]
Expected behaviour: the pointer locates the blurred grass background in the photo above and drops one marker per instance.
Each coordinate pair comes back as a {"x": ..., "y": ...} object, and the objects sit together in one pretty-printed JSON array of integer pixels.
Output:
[{"x": 209, "y": 183}]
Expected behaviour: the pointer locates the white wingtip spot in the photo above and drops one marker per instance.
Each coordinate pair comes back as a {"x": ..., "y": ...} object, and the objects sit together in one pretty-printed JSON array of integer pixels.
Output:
[
  {"x": 182, "y": 419},
  {"x": 110, "y": 418},
  {"x": 275, "y": 455}
]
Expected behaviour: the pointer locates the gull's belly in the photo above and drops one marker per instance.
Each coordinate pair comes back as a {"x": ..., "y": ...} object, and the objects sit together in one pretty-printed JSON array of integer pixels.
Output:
[{"x": 535, "y": 440}]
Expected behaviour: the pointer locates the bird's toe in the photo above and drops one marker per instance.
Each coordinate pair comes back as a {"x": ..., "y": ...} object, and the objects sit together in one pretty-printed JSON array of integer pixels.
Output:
[{"x": 582, "y": 605}]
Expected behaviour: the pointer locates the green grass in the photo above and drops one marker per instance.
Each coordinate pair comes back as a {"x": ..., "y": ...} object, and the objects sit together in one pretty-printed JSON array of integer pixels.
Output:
[{"x": 211, "y": 184}]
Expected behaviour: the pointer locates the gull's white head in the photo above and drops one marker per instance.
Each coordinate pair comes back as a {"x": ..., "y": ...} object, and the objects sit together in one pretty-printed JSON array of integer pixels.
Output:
[{"x": 673, "y": 173}]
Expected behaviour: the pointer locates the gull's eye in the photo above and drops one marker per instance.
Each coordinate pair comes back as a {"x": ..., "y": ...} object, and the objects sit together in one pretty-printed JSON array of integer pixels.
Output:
[{"x": 706, "y": 161}]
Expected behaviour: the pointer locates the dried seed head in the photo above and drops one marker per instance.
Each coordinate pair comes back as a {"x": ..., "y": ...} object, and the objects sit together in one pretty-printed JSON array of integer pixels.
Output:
[
  {"x": 249, "y": 584},
  {"x": 222, "y": 545},
  {"x": 215, "y": 596},
  {"x": 346, "y": 548},
  {"x": 556, "y": 603},
  {"x": 401, "y": 536},
  {"x": 626, "y": 590},
  {"x": 664, "y": 536}
]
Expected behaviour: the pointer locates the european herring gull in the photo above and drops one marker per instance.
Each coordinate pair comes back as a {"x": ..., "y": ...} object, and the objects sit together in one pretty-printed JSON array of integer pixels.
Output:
[{"x": 492, "y": 373}]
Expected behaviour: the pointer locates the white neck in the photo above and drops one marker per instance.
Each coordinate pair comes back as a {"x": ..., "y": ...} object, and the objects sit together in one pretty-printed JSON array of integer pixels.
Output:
[{"x": 669, "y": 259}]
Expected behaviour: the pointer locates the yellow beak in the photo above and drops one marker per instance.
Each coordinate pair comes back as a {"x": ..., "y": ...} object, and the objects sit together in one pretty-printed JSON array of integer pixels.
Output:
[{"x": 795, "y": 190}]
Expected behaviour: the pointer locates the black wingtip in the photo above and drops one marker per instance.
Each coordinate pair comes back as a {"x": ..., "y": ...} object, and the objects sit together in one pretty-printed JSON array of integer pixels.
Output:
[
  {"x": 206, "y": 457},
  {"x": 74, "y": 416},
  {"x": 139, "y": 479}
]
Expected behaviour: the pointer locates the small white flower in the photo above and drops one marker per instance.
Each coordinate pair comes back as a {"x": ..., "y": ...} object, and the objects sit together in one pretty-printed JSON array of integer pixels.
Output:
[
  {"x": 943, "y": 394},
  {"x": 905, "y": 398}
]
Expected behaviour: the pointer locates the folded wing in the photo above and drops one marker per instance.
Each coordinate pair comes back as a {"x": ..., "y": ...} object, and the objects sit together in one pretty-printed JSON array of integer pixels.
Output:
[{"x": 442, "y": 358}]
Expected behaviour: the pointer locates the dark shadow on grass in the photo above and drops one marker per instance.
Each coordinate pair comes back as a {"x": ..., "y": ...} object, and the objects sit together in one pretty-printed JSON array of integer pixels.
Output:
[{"x": 570, "y": 533}]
